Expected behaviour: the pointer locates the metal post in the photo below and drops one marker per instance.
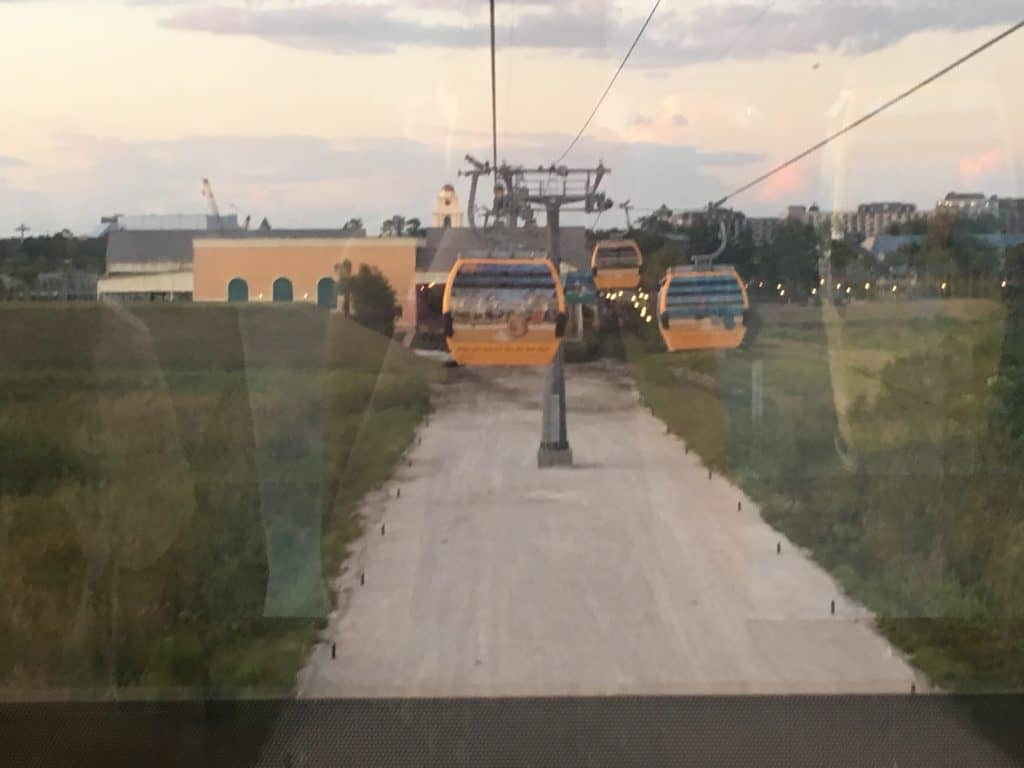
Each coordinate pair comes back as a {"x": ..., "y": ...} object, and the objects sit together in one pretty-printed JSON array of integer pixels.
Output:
[{"x": 554, "y": 448}]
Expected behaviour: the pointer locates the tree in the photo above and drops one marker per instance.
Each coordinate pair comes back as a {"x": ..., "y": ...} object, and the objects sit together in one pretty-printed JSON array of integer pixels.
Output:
[
  {"x": 659, "y": 221},
  {"x": 393, "y": 227},
  {"x": 413, "y": 228},
  {"x": 792, "y": 258},
  {"x": 376, "y": 304},
  {"x": 344, "y": 284},
  {"x": 353, "y": 225}
]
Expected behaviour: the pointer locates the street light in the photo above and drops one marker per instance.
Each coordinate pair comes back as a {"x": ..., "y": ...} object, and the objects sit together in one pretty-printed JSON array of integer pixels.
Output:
[{"x": 867, "y": 286}]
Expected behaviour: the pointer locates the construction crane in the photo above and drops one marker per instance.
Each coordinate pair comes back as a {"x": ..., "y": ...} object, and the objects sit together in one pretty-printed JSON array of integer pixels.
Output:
[{"x": 211, "y": 201}]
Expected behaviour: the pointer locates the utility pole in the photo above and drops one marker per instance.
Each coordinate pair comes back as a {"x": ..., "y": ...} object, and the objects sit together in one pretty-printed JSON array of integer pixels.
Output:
[
  {"x": 625, "y": 207},
  {"x": 21, "y": 229}
]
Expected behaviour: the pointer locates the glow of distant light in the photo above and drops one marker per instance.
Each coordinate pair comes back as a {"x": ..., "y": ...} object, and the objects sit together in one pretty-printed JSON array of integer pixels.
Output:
[
  {"x": 894, "y": 289},
  {"x": 1002, "y": 284},
  {"x": 943, "y": 286},
  {"x": 782, "y": 292},
  {"x": 867, "y": 286},
  {"x": 848, "y": 289},
  {"x": 814, "y": 291}
]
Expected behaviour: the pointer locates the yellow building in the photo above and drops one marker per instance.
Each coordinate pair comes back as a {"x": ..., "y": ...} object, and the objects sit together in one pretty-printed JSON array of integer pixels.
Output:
[{"x": 262, "y": 267}]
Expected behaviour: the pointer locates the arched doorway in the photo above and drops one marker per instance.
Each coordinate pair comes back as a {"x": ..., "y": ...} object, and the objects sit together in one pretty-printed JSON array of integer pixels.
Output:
[
  {"x": 326, "y": 294},
  {"x": 238, "y": 290},
  {"x": 447, "y": 221},
  {"x": 282, "y": 289}
]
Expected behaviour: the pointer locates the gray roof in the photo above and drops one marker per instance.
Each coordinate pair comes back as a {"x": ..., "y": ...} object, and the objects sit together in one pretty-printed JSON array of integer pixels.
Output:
[
  {"x": 172, "y": 249},
  {"x": 882, "y": 245},
  {"x": 129, "y": 247},
  {"x": 444, "y": 246}
]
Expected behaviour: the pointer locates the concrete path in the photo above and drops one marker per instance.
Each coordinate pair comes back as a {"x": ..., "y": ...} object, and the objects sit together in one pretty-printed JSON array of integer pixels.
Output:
[{"x": 631, "y": 573}]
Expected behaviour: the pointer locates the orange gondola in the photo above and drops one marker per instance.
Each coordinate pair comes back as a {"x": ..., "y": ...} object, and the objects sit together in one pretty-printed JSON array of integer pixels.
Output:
[
  {"x": 702, "y": 307},
  {"x": 503, "y": 311},
  {"x": 616, "y": 265}
]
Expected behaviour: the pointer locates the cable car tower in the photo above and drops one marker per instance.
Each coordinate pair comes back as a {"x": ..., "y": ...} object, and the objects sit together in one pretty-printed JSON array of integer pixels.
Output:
[{"x": 518, "y": 193}]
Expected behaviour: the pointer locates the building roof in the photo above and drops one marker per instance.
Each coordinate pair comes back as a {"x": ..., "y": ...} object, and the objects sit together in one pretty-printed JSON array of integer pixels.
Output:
[
  {"x": 964, "y": 196},
  {"x": 127, "y": 249},
  {"x": 168, "y": 250},
  {"x": 177, "y": 221},
  {"x": 881, "y": 246},
  {"x": 444, "y": 245}
]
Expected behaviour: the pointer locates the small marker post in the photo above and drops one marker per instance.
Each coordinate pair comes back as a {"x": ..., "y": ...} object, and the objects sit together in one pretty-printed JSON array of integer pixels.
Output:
[
  {"x": 833, "y": 607},
  {"x": 382, "y": 529},
  {"x": 362, "y": 579},
  {"x": 778, "y": 548},
  {"x": 334, "y": 650}
]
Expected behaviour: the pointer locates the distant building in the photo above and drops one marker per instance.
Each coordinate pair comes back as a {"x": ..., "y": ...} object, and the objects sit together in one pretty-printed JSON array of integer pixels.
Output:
[
  {"x": 970, "y": 204},
  {"x": 868, "y": 220},
  {"x": 199, "y": 222},
  {"x": 447, "y": 212},
  {"x": 66, "y": 285},
  {"x": 882, "y": 245},
  {"x": 300, "y": 266},
  {"x": 1011, "y": 215},
  {"x": 875, "y": 218},
  {"x": 762, "y": 229},
  {"x": 735, "y": 221}
]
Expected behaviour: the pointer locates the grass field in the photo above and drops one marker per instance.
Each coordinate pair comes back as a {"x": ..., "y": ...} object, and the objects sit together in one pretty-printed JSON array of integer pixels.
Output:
[
  {"x": 169, "y": 477},
  {"x": 869, "y": 439}
]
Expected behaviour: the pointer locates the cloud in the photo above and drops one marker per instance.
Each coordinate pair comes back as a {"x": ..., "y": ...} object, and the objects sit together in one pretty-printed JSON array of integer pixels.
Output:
[
  {"x": 709, "y": 32},
  {"x": 347, "y": 27},
  {"x": 10, "y": 162},
  {"x": 979, "y": 167},
  {"x": 309, "y": 181}
]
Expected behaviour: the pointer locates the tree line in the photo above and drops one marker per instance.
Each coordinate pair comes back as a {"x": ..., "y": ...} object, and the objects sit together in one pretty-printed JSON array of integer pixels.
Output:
[{"x": 948, "y": 250}]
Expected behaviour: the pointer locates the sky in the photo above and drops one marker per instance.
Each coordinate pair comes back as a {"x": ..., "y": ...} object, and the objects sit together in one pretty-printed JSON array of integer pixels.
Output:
[{"x": 310, "y": 113}]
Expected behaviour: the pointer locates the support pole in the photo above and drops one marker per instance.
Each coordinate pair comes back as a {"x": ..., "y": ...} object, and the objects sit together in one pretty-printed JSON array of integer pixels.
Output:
[{"x": 554, "y": 448}]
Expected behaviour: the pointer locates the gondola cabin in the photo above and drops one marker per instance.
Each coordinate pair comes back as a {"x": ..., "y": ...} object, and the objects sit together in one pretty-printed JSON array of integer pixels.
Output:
[
  {"x": 616, "y": 265},
  {"x": 503, "y": 312},
  {"x": 702, "y": 307}
]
